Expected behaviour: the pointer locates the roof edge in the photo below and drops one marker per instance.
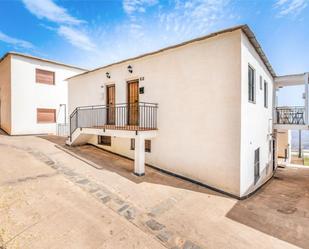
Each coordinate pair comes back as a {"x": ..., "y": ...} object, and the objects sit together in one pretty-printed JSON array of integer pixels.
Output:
[{"x": 40, "y": 59}]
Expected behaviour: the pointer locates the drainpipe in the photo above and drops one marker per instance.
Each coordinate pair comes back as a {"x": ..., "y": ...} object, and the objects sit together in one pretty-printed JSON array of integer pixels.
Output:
[
  {"x": 299, "y": 144},
  {"x": 65, "y": 112},
  {"x": 306, "y": 99}
]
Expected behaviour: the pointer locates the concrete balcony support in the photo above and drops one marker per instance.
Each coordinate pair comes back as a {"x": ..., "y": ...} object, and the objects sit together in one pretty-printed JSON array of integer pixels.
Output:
[
  {"x": 83, "y": 135},
  {"x": 139, "y": 156}
]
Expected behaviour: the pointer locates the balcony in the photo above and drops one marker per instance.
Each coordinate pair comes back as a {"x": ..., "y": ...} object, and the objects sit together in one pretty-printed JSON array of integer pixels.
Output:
[
  {"x": 138, "y": 116},
  {"x": 291, "y": 115}
]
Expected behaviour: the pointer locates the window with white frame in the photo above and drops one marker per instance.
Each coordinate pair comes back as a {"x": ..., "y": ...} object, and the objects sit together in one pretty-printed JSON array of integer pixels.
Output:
[
  {"x": 265, "y": 94},
  {"x": 251, "y": 84},
  {"x": 261, "y": 82}
]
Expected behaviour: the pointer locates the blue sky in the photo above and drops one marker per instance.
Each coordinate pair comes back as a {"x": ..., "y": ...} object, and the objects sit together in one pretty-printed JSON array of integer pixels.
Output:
[{"x": 96, "y": 32}]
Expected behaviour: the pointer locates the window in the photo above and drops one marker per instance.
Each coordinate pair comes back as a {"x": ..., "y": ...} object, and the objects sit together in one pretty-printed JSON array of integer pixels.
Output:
[
  {"x": 265, "y": 94},
  {"x": 46, "y": 115},
  {"x": 147, "y": 145},
  {"x": 132, "y": 147},
  {"x": 105, "y": 140},
  {"x": 261, "y": 82},
  {"x": 256, "y": 165},
  {"x": 44, "y": 77},
  {"x": 251, "y": 84}
]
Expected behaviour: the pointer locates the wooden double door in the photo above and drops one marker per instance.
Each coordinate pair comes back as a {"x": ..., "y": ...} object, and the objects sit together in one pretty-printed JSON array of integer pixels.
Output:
[
  {"x": 133, "y": 102},
  {"x": 110, "y": 102}
]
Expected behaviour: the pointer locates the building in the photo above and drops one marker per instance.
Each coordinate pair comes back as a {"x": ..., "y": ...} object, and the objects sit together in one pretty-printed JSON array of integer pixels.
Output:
[
  {"x": 33, "y": 94},
  {"x": 203, "y": 110}
]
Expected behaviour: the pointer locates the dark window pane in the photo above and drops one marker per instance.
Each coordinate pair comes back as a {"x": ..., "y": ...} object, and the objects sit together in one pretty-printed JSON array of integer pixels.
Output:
[{"x": 105, "y": 140}]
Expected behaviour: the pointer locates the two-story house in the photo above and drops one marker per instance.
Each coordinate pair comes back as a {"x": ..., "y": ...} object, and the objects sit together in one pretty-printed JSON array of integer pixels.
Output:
[
  {"x": 33, "y": 94},
  {"x": 204, "y": 110}
]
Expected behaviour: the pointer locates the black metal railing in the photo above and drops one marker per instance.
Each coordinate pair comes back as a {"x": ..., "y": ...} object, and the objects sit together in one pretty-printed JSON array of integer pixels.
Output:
[
  {"x": 135, "y": 116},
  {"x": 290, "y": 115}
]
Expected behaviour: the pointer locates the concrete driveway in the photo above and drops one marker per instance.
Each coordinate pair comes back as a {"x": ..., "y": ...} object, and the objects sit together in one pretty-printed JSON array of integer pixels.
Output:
[{"x": 52, "y": 199}]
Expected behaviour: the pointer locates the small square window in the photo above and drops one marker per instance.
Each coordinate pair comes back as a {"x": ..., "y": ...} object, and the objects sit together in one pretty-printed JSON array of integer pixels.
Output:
[
  {"x": 132, "y": 147},
  {"x": 147, "y": 145},
  {"x": 105, "y": 140}
]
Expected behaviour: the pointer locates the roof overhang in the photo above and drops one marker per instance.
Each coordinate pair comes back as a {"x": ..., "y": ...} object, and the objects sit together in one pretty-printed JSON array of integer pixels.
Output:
[{"x": 290, "y": 80}]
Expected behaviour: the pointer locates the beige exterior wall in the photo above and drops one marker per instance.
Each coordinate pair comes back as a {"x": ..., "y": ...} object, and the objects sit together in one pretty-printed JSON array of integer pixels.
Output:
[
  {"x": 197, "y": 87},
  {"x": 256, "y": 120},
  {"x": 5, "y": 94},
  {"x": 27, "y": 95}
]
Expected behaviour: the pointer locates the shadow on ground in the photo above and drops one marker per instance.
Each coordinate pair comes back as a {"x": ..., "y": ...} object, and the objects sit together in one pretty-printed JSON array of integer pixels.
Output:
[
  {"x": 280, "y": 208},
  {"x": 123, "y": 166}
]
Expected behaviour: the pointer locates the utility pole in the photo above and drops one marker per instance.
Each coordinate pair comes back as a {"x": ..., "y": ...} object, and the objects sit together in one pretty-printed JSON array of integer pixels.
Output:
[
  {"x": 299, "y": 144},
  {"x": 65, "y": 112}
]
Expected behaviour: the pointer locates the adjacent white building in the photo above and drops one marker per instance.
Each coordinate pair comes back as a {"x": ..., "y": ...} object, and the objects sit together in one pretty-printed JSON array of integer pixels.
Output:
[
  {"x": 33, "y": 94},
  {"x": 204, "y": 107}
]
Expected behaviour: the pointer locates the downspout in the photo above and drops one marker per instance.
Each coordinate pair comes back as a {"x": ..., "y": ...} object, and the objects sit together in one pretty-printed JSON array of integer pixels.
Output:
[{"x": 306, "y": 99}]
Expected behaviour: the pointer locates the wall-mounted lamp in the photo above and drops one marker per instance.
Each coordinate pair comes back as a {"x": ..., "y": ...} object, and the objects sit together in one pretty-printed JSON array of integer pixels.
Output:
[
  {"x": 108, "y": 75},
  {"x": 130, "y": 69}
]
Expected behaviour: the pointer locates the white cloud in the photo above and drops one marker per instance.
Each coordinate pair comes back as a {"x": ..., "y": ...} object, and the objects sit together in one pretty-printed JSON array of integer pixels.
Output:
[
  {"x": 15, "y": 42},
  {"x": 287, "y": 7},
  {"x": 192, "y": 17},
  {"x": 140, "y": 32},
  {"x": 47, "y": 9},
  {"x": 76, "y": 37},
  {"x": 69, "y": 27},
  {"x": 132, "y": 6}
]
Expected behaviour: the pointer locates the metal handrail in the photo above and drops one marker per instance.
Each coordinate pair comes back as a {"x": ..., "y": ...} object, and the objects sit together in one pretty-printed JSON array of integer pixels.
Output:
[
  {"x": 124, "y": 116},
  {"x": 290, "y": 115}
]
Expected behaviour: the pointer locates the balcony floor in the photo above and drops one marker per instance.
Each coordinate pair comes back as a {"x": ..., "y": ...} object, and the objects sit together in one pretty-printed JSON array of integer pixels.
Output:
[{"x": 125, "y": 127}]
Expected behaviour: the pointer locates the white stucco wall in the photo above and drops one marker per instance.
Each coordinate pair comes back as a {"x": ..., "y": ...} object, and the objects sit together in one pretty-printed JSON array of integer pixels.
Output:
[
  {"x": 197, "y": 87},
  {"x": 5, "y": 94},
  {"x": 256, "y": 120},
  {"x": 27, "y": 95}
]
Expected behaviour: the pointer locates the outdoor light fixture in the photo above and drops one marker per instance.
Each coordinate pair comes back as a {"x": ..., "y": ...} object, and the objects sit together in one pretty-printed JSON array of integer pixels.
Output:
[
  {"x": 108, "y": 75},
  {"x": 130, "y": 69}
]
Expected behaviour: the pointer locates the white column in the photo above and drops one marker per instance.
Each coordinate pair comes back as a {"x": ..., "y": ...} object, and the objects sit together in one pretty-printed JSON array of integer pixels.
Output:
[
  {"x": 139, "y": 156},
  {"x": 306, "y": 99},
  {"x": 275, "y": 103}
]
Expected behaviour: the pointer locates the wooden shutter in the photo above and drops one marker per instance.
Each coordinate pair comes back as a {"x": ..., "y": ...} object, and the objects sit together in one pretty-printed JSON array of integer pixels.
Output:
[
  {"x": 44, "y": 77},
  {"x": 46, "y": 115}
]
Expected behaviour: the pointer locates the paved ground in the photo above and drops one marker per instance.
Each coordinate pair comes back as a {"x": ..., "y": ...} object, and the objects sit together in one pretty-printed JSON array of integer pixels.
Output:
[
  {"x": 281, "y": 208},
  {"x": 49, "y": 199}
]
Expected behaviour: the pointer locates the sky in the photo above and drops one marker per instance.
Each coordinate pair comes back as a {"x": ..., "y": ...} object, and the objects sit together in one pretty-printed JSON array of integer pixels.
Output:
[{"x": 92, "y": 33}]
